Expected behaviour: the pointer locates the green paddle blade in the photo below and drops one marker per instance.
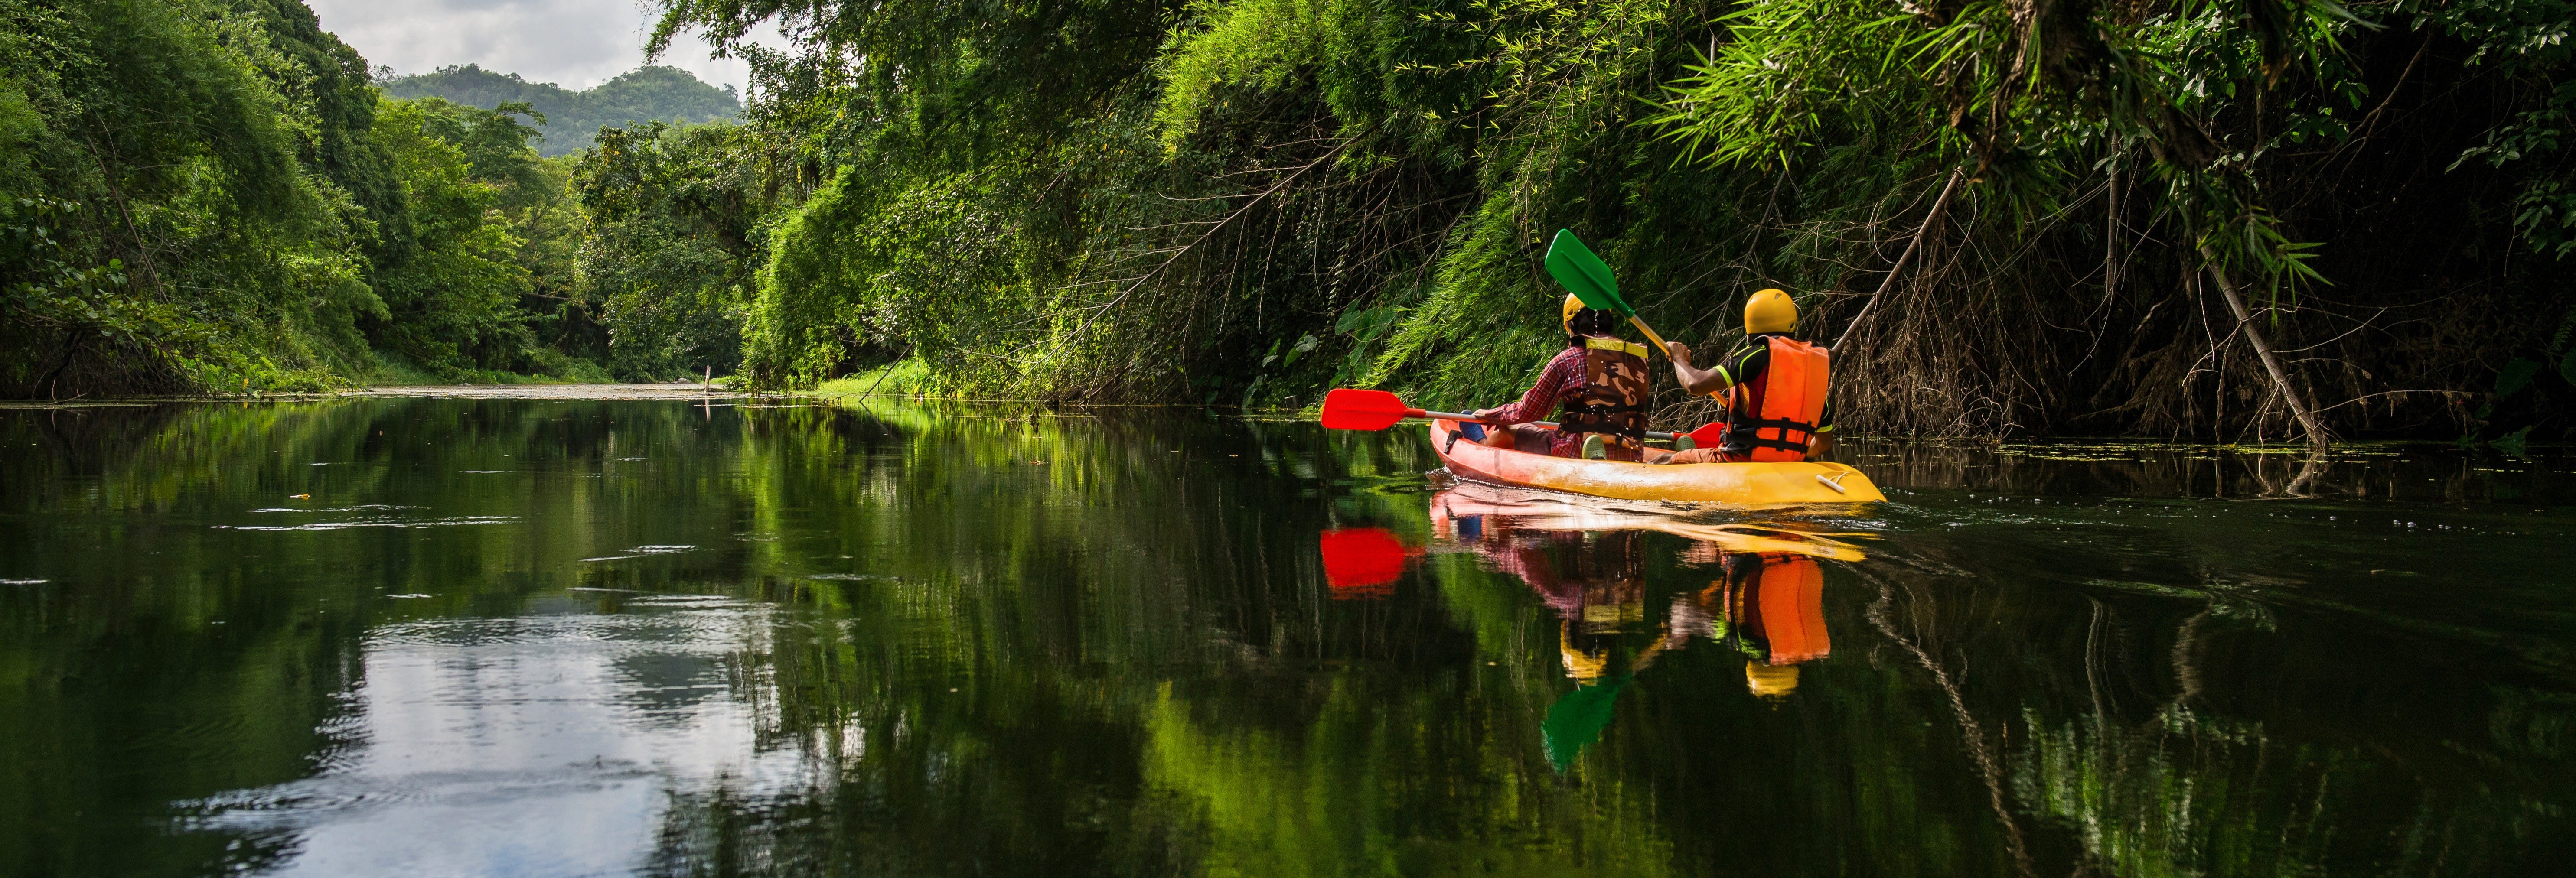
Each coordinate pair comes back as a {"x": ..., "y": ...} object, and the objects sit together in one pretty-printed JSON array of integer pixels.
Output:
[
  {"x": 1584, "y": 274},
  {"x": 1576, "y": 720}
]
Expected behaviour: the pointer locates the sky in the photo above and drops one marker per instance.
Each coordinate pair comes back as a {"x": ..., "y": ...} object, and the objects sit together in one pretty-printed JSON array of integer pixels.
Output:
[{"x": 573, "y": 43}]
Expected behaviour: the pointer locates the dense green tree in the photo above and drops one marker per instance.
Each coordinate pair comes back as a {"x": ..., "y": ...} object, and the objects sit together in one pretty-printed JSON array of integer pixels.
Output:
[
  {"x": 454, "y": 302},
  {"x": 209, "y": 196},
  {"x": 674, "y": 217},
  {"x": 166, "y": 222}
]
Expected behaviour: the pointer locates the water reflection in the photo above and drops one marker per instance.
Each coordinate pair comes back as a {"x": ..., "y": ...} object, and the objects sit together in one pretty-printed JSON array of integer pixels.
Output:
[
  {"x": 546, "y": 637},
  {"x": 1586, "y": 561},
  {"x": 545, "y": 744}
]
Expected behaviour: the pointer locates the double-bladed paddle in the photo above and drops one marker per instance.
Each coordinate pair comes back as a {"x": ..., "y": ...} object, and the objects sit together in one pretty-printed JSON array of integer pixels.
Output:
[
  {"x": 1348, "y": 408},
  {"x": 1588, "y": 278}
]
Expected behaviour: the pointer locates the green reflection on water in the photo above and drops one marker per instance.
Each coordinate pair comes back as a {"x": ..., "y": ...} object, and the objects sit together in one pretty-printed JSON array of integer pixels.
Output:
[{"x": 558, "y": 637}]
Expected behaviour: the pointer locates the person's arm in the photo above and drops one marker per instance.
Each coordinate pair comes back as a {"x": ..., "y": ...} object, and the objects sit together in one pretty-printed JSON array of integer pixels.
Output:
[
  {"x": 1694, "y": 381},
  {"x": 1821, "y": 443},
  {"x": 1715, "y": 379},
  {"x": 1541, "y": 398}
]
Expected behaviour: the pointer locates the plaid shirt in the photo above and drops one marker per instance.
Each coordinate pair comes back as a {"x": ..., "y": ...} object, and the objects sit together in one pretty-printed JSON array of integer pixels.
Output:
[{"x": 1563, "y": 377}]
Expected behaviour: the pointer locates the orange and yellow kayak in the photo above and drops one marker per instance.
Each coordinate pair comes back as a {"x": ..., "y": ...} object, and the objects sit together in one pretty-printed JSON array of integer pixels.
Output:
[{"x": 1735, "y": 484}]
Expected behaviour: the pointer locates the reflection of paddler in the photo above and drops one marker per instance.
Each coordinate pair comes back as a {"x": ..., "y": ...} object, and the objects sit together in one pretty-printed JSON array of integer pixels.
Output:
[
  {"x": 1589, "y": 565},
  {"x": 1595, "y": 581},
  {"x": 1599, "y": 588},
  {"x": 1770, "y": 606},
  {"x": 1585, "y": 663},
  {"x": 1778, "y": 602}
]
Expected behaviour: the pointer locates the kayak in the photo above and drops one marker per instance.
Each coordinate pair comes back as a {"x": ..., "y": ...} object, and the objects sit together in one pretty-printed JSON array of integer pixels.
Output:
[{"x": 1735, "y": 484}]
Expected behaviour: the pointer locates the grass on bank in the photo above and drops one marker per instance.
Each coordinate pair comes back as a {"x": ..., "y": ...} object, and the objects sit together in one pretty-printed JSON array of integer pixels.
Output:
[
  {"x": 553, "y": 367},
  {"x": 905, "y": 377}
]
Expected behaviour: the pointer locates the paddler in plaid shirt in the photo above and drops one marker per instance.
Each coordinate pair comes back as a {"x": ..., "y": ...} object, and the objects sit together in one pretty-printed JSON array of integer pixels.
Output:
[{"x": 1599, "y": 382}]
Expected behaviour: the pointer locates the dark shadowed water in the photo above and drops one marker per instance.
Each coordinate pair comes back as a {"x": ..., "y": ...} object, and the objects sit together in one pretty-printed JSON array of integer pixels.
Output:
[{"x": 517, "y": 637}]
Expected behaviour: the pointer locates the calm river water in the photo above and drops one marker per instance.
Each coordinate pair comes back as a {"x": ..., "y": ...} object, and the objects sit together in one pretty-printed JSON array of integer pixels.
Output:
[{"x": 529, "y": 637}]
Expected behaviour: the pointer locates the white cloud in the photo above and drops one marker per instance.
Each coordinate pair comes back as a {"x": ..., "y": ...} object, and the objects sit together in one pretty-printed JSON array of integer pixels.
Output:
[{"x": 573, "y": 43}]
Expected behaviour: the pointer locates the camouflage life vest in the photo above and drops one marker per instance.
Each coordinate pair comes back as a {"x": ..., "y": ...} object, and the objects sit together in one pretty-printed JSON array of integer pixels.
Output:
[{"x": 1614, "y": 396}]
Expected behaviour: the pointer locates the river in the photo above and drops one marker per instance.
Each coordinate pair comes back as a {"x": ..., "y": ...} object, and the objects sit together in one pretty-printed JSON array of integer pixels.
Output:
[{"x": 459, "y": 636}]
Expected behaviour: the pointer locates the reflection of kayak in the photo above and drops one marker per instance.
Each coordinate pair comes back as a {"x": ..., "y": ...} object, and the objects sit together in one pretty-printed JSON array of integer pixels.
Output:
[
  {"x": 1466, "y": 512},
  {"x": 1739, "y": 484}
]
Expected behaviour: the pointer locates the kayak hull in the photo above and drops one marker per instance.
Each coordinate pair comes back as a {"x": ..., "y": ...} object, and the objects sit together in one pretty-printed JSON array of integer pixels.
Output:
[{"x": 1734, "y": 484}]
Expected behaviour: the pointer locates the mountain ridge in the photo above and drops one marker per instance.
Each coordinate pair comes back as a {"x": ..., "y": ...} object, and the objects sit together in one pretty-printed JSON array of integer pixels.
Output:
[{"x": 574, "y": 117}]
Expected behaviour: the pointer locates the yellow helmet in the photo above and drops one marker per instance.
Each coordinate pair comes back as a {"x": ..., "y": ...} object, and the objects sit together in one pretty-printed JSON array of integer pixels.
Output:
[
  {"x": 1573, "y": 303},
  {"x": 1585, "y": 666},
  {"x": 1770, "y": 311},
  {"x": 1770, "y": 681}
]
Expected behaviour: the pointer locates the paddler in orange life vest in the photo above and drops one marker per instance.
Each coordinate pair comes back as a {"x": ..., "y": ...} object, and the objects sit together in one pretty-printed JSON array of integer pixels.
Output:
[
  {"x": 1770, "y": 607},
  {"x": 1598, "y": 388},
  {"x": 1774, "y": 387}
]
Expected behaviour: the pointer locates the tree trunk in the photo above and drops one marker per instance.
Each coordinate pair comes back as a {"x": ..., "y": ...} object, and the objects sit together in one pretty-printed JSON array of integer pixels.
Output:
[
  {"x": 2280, "y": 374},
  {"x": 2111, "y": 240},
  {"x": 1938, "y": 206}
]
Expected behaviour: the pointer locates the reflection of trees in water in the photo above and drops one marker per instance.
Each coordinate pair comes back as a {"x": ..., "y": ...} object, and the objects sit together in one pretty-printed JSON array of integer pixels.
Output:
[
  {"x": 1163, "y": 688},
  {"x": 1924, "y": 643},
  {"x": 2144, "y": 736}
]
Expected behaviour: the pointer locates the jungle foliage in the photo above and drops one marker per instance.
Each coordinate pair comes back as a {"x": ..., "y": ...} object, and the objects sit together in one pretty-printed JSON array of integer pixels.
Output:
[
  {"x": 1247, "y": 201},
  {"x": 205, "y": 195}
]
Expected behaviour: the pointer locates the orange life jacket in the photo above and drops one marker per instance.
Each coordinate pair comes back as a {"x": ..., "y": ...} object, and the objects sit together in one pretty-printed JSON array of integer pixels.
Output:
[
  {"x": 1775, "y": 424},
  {"x": 1792, "y": 608},
  {"x": 1615, "y": 393}
]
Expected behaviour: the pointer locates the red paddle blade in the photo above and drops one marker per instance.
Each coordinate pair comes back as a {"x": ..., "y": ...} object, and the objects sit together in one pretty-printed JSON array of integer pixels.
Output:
[
  {"x": 1348, "y": 408},
  {"x": 1361, "y": 562},
  {"x": 1708, "y": 434}
]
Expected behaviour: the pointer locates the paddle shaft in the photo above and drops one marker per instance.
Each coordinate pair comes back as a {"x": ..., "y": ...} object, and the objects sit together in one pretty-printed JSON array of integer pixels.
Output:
[
  {"x": 1650, "y": 335},
  {"x": 1472, "y": 419}
]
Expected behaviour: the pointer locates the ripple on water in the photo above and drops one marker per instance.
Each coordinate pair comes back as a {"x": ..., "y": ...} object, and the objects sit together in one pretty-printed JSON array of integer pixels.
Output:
[
  {"x": 642, "y": 551},
  {"x": 375, "y": 522}
]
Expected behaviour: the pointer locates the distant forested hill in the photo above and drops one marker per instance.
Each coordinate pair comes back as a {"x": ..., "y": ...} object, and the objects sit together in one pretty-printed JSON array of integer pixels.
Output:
[{"x": 573, "y": 117}]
